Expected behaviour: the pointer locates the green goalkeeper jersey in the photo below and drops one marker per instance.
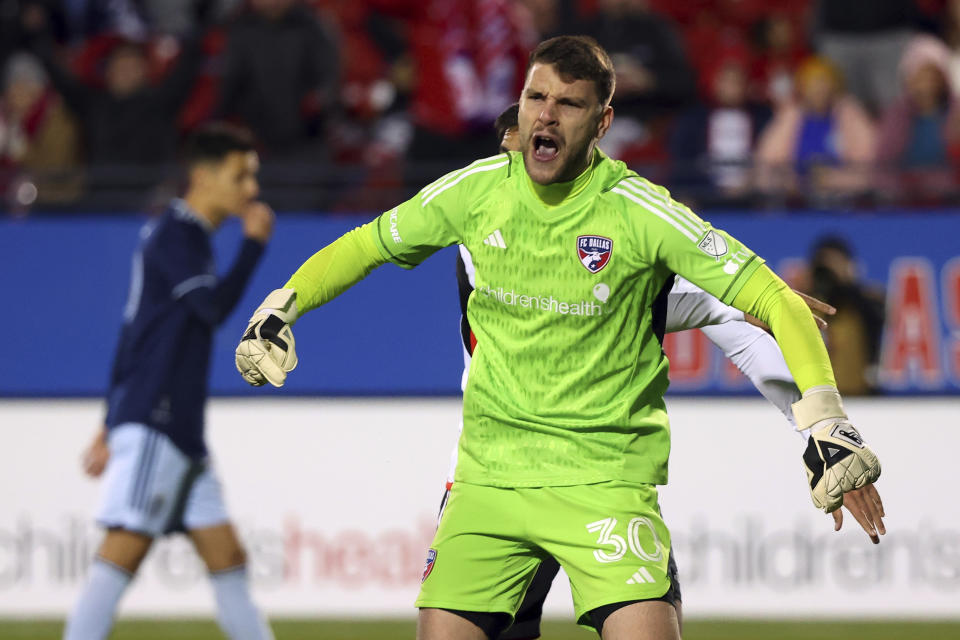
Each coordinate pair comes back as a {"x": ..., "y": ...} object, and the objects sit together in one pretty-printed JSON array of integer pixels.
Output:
[{"x": 567, "y": 380}]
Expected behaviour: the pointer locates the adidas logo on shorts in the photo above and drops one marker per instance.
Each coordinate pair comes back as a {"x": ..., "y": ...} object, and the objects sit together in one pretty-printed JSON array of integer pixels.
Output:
[{"x": 641, "y": 576}]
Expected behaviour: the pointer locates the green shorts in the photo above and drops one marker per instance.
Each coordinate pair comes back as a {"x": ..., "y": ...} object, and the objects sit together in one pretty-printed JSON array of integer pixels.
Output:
[{"x": 608, "y": 537}]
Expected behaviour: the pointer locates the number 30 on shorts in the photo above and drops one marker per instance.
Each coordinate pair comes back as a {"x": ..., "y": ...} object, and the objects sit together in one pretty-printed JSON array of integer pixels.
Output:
[{"x": 634, "y": 527}]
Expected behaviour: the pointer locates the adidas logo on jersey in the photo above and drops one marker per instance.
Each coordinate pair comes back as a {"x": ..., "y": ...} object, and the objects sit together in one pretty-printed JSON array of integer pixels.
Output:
[
  {"x": 641, "y": 576},
  {"x": 495, "y": 240}
]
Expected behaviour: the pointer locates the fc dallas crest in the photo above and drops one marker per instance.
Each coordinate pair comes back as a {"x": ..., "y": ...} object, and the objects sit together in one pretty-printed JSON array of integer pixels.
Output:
[
  {"x": 428, "y": 565},
  {"x": 594, "y": 252}
]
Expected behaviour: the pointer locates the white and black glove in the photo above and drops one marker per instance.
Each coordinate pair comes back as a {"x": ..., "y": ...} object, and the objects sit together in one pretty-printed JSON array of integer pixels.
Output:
[
  {"x": 267, "y": 352},
  {"x": 836, "y": 459}
]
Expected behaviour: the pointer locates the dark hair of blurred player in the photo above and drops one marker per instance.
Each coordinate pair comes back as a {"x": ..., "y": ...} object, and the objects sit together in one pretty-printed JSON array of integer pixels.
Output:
[
  {"x": 222, "y": 166},
  {"x": 506, "y": 128}
]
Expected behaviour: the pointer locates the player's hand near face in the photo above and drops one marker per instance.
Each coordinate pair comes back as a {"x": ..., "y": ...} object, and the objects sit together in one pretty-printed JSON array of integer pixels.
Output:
[
  {"x": 95, "y": 457},
  {"x": 865, "y": 506},
  {"x": 257, "y": 220}
]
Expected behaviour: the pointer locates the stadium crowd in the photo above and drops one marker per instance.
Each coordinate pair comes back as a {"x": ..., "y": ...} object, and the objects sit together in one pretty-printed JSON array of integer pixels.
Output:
[{"x": 759, "y": 103}]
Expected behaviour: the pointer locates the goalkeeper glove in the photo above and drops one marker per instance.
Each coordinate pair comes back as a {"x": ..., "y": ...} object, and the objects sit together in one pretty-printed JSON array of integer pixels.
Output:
[
  {"x": 266, "y": 352},
  {"x": 836, "y": 459}
]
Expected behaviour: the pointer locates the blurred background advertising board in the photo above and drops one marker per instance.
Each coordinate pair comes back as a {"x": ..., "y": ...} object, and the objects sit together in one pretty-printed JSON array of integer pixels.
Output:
[{"x": 337, "y": 498}]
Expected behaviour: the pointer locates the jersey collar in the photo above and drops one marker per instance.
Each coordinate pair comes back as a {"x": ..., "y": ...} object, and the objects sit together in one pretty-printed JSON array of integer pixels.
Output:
[
  {"x": 555, "y": 198},
  {"x": 183, "y": 211}
]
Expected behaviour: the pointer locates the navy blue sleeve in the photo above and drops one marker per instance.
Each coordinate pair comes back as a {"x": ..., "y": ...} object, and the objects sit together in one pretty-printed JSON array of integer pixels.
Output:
[
  {"x": 182, "y": 254},
  {"x": 214, "y": 304}
]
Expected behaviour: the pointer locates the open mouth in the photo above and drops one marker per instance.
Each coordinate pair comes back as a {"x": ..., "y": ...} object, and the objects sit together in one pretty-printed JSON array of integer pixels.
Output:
[{"x": 545, "y": 147}]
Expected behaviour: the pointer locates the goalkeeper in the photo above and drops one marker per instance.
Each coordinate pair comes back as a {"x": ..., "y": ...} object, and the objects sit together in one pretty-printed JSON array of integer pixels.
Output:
[
  {"x": 749, "y": 347},
  {"x": 564, "y": 418}
]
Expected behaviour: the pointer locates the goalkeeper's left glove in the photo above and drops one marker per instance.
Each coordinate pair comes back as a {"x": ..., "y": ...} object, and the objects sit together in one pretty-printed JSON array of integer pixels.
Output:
[
  {"x": 267, "y": 351},
  {"x": 836, "y": 459}
]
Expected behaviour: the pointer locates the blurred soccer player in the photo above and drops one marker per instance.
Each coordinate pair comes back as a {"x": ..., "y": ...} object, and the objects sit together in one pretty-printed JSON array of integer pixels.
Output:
[
  {"x": 158, "y": 476},
  {"x": 749, "y": 347},
  {"x": 566, "y": 434}
]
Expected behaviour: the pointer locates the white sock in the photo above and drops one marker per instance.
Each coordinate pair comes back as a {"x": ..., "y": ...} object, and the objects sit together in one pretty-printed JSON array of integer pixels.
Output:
[
  {"x": 238, "y": 616},
  {"x": 92, "y": 616}
]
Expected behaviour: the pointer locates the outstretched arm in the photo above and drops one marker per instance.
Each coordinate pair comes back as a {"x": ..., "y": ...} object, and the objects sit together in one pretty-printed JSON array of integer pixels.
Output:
[
  {"x": 767, "y": 297},
  {"x": 837, "y": 459},
  {"x": 750, "y": 348},
  {"x": 267, "y": 351},
  {"x": 756, "y": 354},
  {"x": 690, "y": 307},
  {"x": 334, "y": 269},
  {"x": 406, "y": 236},
  {"x": 678, "y": 241}
]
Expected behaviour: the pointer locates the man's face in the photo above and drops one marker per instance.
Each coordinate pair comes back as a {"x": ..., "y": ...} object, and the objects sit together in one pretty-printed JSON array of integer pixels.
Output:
[
  {"x": 560, "y": 121},
  {"x": 126, "y": 72},
  {"x": 511, "y": 140},
  {"x": 730, "y": 86},
  {"x": 817, "y": 92},
  {"x": 21, "y": 94},
  {"x": 231, "y": 183},
  {"x": 926, "y": 85}
]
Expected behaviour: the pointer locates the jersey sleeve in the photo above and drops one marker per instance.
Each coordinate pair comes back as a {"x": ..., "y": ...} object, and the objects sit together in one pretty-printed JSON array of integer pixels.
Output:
[
  {"x": 184, "y": 260},
  {"x": 182, "y": 254},
  {"x": 213, "y": 304},
  {"x": 757, "y": 356},
  {"x": 334, "y": 269},
  {"x": 769, "y": 298},
  {"x": 690, "y": 307},
  {"x": 434, "y": 218},
  {"x": 674, "y": 237}
]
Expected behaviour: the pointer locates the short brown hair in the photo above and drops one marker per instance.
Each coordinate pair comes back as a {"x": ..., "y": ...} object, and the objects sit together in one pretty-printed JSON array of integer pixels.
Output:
[{"x": 581, "y": 58}]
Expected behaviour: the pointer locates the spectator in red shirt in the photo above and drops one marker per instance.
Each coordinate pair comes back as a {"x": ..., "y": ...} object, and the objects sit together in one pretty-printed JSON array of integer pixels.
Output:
[
  {"x": 468, "y": 66},
  {"x": 780, "y": 52}
]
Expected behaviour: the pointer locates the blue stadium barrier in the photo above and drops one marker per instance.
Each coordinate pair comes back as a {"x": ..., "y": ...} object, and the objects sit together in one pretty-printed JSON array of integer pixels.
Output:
[{"x": 64, "y": 282}]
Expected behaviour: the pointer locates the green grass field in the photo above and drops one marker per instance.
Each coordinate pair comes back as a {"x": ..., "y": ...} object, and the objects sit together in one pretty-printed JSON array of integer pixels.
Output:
[{"x": 552, "y": 630}]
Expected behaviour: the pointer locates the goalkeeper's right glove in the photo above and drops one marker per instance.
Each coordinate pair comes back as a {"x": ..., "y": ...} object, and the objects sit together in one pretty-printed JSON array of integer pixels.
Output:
[
  {"x": 267, "y": 352},
  {"x": 836, "y": 459}
]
